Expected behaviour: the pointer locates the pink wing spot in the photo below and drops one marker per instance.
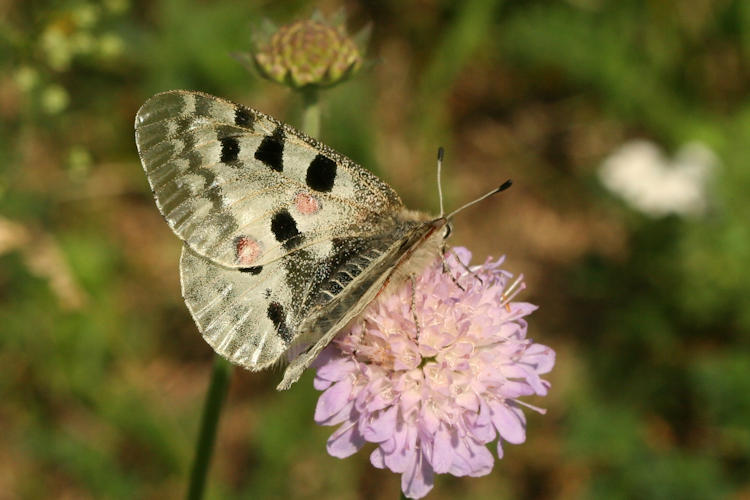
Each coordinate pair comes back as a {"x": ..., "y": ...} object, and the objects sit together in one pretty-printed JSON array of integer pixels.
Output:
[
  {"x": 247, "y": 250},
  {"x": 306, "y": 204}
]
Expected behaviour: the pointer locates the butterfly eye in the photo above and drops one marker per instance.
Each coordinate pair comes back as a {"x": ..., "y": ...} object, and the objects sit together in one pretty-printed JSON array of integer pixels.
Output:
[{"x": 448, "y": 230}]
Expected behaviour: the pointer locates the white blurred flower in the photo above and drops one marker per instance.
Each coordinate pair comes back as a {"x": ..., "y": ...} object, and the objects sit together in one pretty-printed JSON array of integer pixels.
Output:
[{"x": 640, "y": 174}]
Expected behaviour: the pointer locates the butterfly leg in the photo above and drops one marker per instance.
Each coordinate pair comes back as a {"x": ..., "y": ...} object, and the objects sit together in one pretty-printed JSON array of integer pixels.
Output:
[
  {"x": 446, "y": 268},
  {"x": 467, "y": 268},
  {"x": 413, "y": 280}
]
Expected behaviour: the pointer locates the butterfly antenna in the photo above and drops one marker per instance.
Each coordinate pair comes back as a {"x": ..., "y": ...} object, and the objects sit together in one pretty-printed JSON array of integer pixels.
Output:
[
  {"x": 441, "y": 154},
  {"x": 505, "y": 185}
]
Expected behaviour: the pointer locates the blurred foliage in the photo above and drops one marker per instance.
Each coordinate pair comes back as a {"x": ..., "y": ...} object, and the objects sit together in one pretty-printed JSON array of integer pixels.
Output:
[{"x": 104, "y": 373}]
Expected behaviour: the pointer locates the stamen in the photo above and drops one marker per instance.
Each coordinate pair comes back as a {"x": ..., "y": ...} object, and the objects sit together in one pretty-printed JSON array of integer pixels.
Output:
[
  {"x": 514, "y": 289},
  {"x": 511, "y": 291},
  {"x": 541, "y": 411}
]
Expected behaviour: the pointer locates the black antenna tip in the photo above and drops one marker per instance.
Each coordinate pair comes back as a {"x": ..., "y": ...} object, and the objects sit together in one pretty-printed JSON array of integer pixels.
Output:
[
  {"x": 441, "y": 153},
  {"x": 505, "y": 185}
]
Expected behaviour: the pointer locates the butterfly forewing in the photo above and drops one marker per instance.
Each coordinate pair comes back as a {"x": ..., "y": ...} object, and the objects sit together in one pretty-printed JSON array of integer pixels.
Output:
[{"x": 242, "y": 189}]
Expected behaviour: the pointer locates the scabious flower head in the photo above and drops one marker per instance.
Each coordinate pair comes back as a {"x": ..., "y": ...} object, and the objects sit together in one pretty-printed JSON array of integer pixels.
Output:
[
  {"x": 432, "y": 373},
  {"x": 309, "y": 53}
]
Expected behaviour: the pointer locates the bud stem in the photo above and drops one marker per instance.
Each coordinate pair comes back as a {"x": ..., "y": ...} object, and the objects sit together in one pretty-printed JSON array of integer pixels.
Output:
[{"x": 311, "y": 112}]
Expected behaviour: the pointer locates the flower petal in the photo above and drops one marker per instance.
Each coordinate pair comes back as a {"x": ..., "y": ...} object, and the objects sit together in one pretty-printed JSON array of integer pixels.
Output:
[
  {"x": 335, "y": 368},
  {"x": 333, "y": 400},
  {"x": 480, "y": 425},
  {"x": 513, "y": 389},
  {"x": 541, "y": 356},
  {"x": 442, "y": 451},
  {"x": 429, "y": 421},
  {"x": 405, "y": 451},
  {"x": 376, "y": 458},
  {"x": 480, "y": 459},
  {"x": 389, "y": 445},
  {"x": 418, "y": 480},
  {"x": 381, "y": 426},
  {"x": 520, "y": 309},
  {"x": 508, "y": 423},
  {"x": 345, "y": 441}
]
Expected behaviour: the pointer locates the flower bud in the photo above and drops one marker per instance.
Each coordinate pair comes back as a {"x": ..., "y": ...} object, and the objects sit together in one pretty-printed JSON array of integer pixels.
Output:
[{"x": 306, "y": 53}]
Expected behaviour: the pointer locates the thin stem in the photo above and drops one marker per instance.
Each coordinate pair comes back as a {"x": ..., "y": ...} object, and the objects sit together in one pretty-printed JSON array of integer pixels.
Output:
[
  {"x": 311, "y": 112},
  {"x": 217, "y": 391}
]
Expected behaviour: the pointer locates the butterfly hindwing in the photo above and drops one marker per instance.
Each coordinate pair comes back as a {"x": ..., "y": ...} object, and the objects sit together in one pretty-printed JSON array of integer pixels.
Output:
[
  {"x": 243, "y": 189},
  {"x": 253, "y": 316},
  {"x": 234, "y": 309}
]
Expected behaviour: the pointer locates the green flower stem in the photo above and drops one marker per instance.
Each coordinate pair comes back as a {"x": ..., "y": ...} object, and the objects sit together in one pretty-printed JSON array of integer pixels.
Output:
[
  {"x": 217, "y": 391},
  {"x": 311, "y": 112}
]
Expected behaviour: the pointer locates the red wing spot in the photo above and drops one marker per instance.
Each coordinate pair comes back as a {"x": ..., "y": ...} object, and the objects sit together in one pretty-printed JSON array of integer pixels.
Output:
[
  {"x": 247, "y": 250},
  {"x": 306, "y": 204}
]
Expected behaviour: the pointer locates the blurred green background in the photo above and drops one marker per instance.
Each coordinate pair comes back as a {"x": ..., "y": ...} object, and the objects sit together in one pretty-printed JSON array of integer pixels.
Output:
[{"x": 103, "y": 372}]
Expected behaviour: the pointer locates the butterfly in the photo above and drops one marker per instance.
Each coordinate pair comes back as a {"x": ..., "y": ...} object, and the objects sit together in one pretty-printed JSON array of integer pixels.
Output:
[{"x": 285, "y": 241}]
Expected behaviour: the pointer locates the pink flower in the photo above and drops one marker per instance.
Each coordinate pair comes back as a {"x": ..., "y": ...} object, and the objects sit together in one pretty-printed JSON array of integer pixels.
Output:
[{"x": 432, "y": 393}]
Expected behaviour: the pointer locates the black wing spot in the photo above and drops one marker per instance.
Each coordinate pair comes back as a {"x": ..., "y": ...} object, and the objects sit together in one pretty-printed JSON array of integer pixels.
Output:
[
  {"x": 284, "y": 228},
  {"x": 321, "y": 173},
  {"x": 254, "y": 270},
  {"x": 230, "y": 149},
  {"x": 243, "y": 117},
  {"x": 271, "y": 150},
  {"x": 276, "y": 315}
]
